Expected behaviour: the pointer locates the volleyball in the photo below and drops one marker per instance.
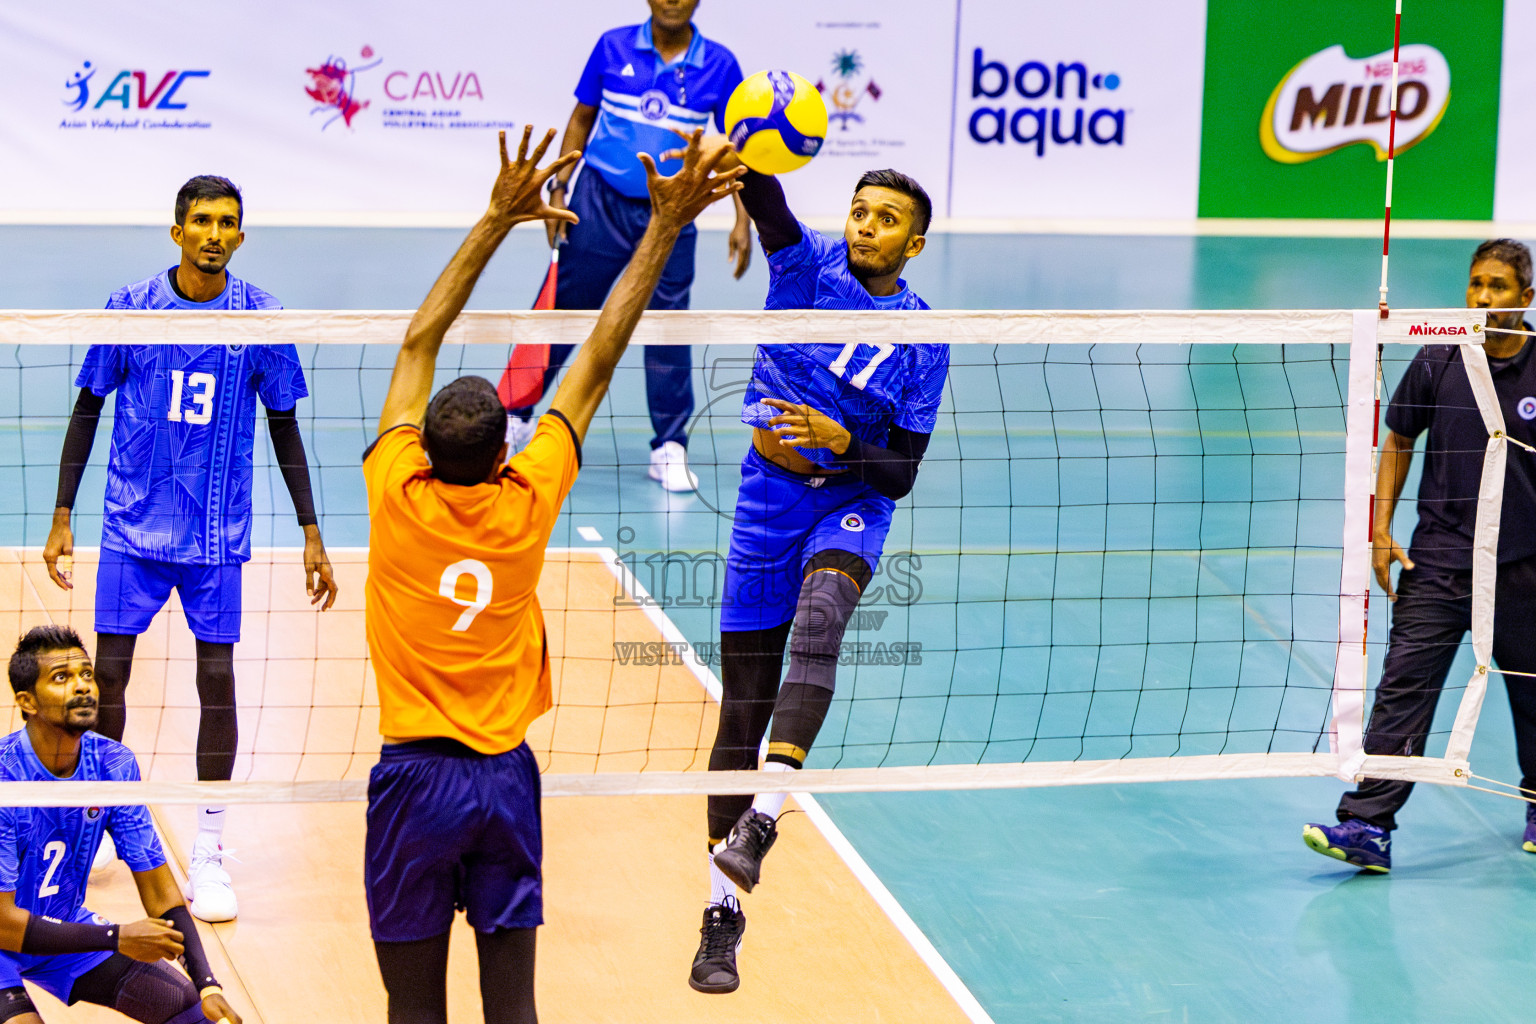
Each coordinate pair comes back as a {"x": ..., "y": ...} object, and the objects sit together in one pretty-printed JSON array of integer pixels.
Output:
[{"x": 776, "y": 120}]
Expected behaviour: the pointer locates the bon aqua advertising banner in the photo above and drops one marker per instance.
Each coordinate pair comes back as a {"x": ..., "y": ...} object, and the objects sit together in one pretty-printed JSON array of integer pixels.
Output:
[{"x": 1297, "y": 109}]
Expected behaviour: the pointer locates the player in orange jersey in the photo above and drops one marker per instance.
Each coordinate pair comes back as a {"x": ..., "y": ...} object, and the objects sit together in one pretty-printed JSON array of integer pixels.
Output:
[{"x": 454, "y": 626}]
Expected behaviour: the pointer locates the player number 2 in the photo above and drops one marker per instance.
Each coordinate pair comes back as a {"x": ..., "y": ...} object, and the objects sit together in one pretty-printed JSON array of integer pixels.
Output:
[
  {"x": 449, "y": 588},
  {"x": 859, "y": 380},
  {"x": 54, "y": 853},
  {"x": 201, "y": 386}
]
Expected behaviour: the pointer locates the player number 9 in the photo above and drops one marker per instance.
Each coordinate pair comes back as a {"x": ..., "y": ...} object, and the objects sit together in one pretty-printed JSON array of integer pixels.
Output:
[{"x": 449, "y": 588}]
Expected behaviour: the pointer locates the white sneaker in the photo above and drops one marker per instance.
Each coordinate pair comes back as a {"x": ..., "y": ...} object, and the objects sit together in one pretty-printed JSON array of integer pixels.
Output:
[
  {"x": 212, "y": 895},
  {"x": 106, "y": 853},
  {"x": 669, "y": 467},
  {"x": 519, "y": 433}
]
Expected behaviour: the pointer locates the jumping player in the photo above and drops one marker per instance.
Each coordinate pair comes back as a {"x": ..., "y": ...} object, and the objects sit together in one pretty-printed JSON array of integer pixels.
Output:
[
  {"x": 178, "y": 509},
  {"x": 47, "y": 936},
  {"x": 838, "y": 433},
  {"x": 454, "y": 626}
]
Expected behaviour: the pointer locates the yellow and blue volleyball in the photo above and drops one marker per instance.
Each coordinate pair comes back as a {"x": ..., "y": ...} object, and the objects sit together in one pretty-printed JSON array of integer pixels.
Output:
[{"x": 776, "y": 120}]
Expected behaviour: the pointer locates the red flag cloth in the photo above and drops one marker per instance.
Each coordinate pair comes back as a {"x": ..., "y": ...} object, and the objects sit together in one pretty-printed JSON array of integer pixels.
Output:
[{"x": 522, "y": 382}]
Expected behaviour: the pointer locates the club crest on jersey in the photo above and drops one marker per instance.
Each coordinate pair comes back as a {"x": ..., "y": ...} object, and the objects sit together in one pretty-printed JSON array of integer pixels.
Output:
[
  {"x": 853, "y": 522},
  {"x": 92, "y": 813},
  {"x": 235, "y": 350},
  {"x": 1527, "y": 408}
]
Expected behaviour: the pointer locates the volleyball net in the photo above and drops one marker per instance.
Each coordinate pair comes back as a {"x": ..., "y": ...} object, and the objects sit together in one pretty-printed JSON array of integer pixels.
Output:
[{"x": 1139, "y": 549}]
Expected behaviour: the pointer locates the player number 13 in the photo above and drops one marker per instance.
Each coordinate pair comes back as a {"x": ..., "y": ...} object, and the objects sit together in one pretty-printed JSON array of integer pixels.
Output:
[{"x": 201, "y": 387}]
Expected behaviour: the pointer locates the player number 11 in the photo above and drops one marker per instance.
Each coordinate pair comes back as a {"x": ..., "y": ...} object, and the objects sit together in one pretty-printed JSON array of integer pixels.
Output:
[{"x": 201, "y": 386}]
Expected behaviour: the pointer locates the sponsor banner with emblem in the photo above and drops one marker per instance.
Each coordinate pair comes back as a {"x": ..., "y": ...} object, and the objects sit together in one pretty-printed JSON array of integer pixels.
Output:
[
  {"x": 390, "y": 108},
  {"x": 1297, "y": 103},
  {"x": 1081, "y": 110}
]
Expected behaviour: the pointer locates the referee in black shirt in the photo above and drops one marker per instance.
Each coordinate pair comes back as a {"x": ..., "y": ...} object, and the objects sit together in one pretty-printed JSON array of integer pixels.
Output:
[{"x": 1432, "y": 606}]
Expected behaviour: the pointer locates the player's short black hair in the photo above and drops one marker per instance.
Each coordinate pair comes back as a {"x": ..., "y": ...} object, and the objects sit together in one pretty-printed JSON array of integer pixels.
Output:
[
  {"x": 1513, "y": 254},
  {"x": 39, "y": 640},
  {"x": 464, "y": 431},
  {"x": 907, "y": 186},
  {"x": 207, "y": 186}
]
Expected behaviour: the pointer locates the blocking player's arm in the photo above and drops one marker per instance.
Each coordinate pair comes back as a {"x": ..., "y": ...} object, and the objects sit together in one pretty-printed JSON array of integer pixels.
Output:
[
  {"x": 761, "y": 196},
  {"x": 288, "y": 445},
  {"x": 516, "y": 197},
  {"x": 162, "y": 900},
  {"x": 1391, "y": 474},
  {"x": 22, "y": 931},
  {"x": 675, "y": 202},
  {"x": 79, "y": 438}
]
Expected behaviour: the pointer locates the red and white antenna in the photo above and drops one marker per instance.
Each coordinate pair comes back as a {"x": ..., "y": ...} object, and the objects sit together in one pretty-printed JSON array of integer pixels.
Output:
[{"x": 1386, "y": 229}]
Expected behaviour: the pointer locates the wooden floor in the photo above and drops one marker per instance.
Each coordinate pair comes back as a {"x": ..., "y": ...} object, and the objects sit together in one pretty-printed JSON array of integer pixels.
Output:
[{"x": 624, "y": 877}]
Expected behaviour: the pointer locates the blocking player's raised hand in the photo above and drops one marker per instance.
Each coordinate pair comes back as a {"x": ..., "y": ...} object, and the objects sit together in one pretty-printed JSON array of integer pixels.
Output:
[
  {"x": 149, "y": 940},
  {"x": 518, "y": 194},
  {"x": 712, "y": 147},
  {"x": 59, "y": 552},
  {"x": 677, "y": 200}
]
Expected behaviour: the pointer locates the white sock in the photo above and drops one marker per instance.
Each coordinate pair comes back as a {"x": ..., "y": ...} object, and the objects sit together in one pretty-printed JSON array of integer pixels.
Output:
[
  {"x": 771, "y": 803},
  {"x": 719, "y": 886},
  {"x": 210, "y": 825}
]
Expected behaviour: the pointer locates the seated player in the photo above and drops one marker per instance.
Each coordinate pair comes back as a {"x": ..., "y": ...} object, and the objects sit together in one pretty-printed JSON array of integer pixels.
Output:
[
  {"x": 838, "y": 433},
  {"x": 47, "y": 936},
  {"x": 456, "y": 546},
  {"x": 1432, "y": 605},
  {"x": 178, "y": 512}
]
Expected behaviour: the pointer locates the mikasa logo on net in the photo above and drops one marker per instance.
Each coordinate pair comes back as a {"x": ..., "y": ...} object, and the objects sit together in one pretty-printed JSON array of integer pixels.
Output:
[{"x": 1330, "y": 101}]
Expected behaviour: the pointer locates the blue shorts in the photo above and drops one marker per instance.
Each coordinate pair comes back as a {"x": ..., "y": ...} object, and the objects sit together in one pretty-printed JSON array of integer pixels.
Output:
[
  {"x": 56, "y": 975},
  {"x": 130, "y": 590},
  {"x": 782, "y": 522},
  {"x": 449, "y": 828}
]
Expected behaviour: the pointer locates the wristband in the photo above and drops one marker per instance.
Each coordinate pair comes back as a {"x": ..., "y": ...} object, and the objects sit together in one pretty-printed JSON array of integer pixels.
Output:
[{"x": 47, "y": 936}]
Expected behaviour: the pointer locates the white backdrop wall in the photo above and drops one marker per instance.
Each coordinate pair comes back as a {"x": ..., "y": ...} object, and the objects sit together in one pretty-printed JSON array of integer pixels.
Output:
[{"x": 1004, "y": 109}]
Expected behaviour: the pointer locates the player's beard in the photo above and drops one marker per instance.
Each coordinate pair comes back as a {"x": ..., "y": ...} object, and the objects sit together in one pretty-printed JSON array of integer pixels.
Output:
[
  {"x": 211, "y": 265},
  {"x": 79, "y": 724},
  {"x": 865, "y": 265}
]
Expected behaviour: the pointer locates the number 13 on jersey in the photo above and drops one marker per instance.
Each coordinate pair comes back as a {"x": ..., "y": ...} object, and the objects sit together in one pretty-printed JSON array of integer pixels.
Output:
[{"x": 200, "y": 388}]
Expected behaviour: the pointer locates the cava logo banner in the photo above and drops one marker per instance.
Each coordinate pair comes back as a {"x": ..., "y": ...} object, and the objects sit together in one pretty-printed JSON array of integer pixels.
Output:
[
  {"x": 1329, "y": 101},
  {"x": 1298, "y": 126}
]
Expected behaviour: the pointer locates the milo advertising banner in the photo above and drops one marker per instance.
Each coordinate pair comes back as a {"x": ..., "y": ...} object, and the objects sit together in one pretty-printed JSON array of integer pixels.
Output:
[{"x": 1297, "y": 109}]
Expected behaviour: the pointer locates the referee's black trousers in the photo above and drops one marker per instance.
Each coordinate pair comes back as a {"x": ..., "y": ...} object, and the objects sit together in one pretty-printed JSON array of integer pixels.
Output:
[{"x": 1432, "y": 614}]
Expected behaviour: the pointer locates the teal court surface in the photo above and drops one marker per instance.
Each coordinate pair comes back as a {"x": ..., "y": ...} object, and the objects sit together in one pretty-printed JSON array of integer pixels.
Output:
[{"x": 1186, "y": 901}]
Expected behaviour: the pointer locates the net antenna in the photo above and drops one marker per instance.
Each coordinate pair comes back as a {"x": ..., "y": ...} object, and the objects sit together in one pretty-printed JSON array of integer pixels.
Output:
[{"x": 1386, "y": 226}]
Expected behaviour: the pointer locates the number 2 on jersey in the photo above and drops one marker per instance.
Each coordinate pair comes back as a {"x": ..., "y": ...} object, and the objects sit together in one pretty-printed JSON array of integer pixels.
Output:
[
  {"x": 202, "y": 397},
  {"x": 54, "y": 854},
  {"x": 861, "y": 379},
  {"x": 449, "y": 588}
]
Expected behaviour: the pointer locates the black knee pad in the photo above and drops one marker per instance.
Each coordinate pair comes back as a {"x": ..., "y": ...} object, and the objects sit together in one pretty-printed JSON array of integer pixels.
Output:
[
  {"x": 827, "y": 600},
  {"x": 150, "y": 993}
]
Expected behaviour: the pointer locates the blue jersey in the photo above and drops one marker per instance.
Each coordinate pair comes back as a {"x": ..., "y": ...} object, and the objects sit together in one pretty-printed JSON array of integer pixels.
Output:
[
  {"x": 865, "y": 386},
  {"x": 179, "y": 473},
  {"x": 640, "y": 101},
  {"x": 46, "y": 852}
]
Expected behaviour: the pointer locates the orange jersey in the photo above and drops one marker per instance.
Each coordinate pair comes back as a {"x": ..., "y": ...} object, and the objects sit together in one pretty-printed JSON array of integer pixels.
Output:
[{"x": 454, "y": 625}]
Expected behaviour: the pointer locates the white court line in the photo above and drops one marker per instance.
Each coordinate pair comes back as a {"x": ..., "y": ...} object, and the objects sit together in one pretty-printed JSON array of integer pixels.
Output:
[{"x": 925, "y": 949}]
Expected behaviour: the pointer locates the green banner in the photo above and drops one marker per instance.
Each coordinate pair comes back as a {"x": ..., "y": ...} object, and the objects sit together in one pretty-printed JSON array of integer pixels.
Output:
[{"x": 1297, "y": 100}]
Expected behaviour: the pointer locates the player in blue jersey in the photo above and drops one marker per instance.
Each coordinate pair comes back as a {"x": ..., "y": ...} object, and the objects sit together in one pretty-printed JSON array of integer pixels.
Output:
[
  {"x": 178, "y": 504},
  {"x": 838, "y": 433},
  {"x": 47, "y": 936}
]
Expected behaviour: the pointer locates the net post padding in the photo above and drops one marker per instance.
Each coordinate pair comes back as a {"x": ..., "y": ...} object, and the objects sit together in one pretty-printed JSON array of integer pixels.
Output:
[
  {"x": 1485, "y": 551},
  {"x": 1347, "y": 729}
]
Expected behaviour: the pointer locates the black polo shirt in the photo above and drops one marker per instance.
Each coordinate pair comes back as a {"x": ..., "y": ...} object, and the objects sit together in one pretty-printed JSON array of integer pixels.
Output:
[{"x": 1435, "y": 395}]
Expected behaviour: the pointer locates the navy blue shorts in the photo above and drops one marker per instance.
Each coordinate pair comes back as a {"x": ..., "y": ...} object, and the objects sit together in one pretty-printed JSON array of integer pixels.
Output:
[
  {"x": 452, "y": 829},
  {"x": 782, "y": 522},
  {"x": 130, "y": 590}
]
